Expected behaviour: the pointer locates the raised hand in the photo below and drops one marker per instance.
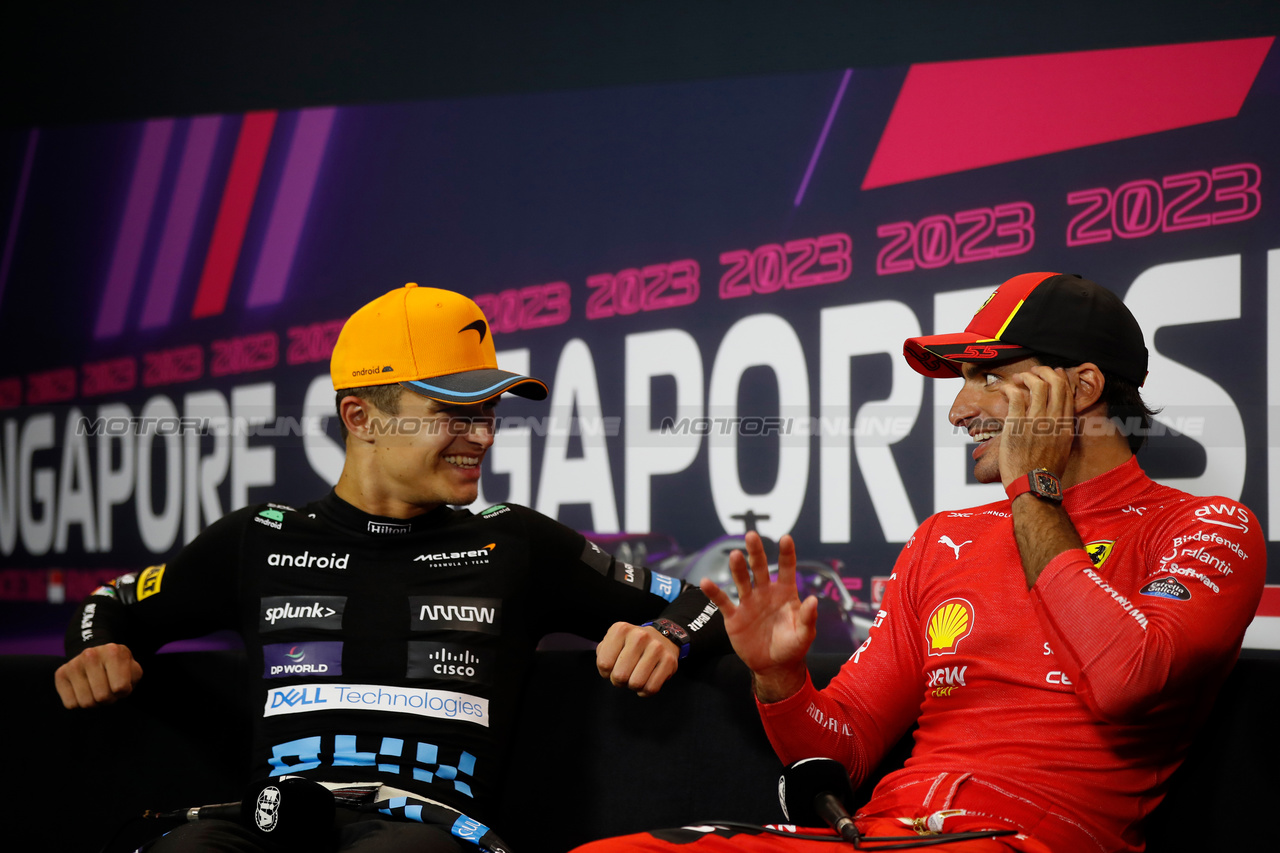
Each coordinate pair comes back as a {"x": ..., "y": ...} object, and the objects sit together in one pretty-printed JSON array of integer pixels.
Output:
[
  {"x": 770, "y": 628},
  {"x": 1040, "y": 425}
]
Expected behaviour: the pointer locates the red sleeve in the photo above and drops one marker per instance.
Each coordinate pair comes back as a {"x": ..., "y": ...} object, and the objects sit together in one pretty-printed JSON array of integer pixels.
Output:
[
  {"x": 1169, "y": 613},
  {"x": 874, "y": 698}
]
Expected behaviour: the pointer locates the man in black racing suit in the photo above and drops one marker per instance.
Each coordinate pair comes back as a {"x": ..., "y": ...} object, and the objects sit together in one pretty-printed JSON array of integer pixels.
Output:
[{"x": 393, "y": 633}]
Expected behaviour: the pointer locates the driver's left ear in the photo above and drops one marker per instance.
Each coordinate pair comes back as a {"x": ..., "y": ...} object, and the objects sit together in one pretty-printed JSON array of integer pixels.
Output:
[{"x": 1089, "y": 385}]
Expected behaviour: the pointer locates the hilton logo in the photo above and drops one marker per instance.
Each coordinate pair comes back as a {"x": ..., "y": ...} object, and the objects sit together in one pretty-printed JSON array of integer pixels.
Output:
[{"x": 388, "y": 527}]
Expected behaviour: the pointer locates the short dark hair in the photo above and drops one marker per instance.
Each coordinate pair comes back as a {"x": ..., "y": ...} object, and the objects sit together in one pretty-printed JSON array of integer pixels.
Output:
[
  {"x": 1122, "y": 398},
  {"x": 385, "y": 397}
]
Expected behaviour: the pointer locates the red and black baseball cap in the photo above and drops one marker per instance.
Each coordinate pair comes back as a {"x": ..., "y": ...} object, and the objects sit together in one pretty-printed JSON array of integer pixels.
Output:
[{"x": 1040, "y": 313}]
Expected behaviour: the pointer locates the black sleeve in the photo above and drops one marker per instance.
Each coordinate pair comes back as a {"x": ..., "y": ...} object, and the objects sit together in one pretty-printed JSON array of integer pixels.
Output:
[
  {"x": 191, "y": 595},
  {"x": 598, "y": 590}
]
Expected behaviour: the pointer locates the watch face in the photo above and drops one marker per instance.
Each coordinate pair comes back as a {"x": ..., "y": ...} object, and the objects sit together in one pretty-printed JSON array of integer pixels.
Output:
[{"x": 1046, "y": 485}]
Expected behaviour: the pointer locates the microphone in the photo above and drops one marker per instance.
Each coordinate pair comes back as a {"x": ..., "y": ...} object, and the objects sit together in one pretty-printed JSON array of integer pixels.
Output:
[
  {"x": 295, "y": 813},
  {"x": 816, "y": 791}
]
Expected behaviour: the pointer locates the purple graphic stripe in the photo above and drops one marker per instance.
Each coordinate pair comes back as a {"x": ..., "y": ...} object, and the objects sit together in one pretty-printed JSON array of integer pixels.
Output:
[
  {"x": 19, "y": 201},
  {"x": 822, "y": 137},
  {"x": 293, "y": 199},
  {"x": 138, "y": 207},
  {"x": 175, "y": 243}
]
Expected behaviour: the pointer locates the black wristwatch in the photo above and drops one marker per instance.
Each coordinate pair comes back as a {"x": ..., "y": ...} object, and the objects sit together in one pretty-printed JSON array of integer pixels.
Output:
[
  {"x": 672, "y": 632},
  {"x": 1041, "y": 482}
]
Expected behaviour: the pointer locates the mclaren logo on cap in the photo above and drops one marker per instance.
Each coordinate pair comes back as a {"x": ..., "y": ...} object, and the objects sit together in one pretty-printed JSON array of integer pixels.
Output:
[{"x": 479, "y": 326}]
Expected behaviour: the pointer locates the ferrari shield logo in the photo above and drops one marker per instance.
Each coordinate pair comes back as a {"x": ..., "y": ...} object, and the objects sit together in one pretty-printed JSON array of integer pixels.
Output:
[{"x": 1099, "y": 551}]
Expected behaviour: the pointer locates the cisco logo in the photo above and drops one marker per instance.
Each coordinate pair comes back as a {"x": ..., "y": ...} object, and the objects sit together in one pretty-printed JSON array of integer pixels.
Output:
[{"x": 447, "y": 661}]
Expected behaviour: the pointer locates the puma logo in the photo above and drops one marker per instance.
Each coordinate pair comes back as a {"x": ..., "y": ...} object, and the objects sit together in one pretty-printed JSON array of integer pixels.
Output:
[{"x": 946, "y": 540}]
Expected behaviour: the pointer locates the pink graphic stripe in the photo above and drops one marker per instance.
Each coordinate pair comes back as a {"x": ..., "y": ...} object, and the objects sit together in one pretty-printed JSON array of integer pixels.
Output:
[
  {"x": 19, "y": 201},
  {"x": 233, "y": 213},
  {"x": 193, "y": 174},
  {"x": 955, "y": 116},
  {"x": 822, "y": 137},
  {"x": 293, "y": 199},
  {"x": 138, "y": 207}
]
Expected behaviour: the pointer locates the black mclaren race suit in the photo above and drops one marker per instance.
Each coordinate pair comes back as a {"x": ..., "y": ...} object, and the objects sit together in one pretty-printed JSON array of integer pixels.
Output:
[{"x": 390, "y": 650}]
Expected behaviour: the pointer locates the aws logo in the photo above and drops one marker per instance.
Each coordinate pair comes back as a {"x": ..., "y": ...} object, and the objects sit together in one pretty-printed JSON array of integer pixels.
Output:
[
  {"x": 1099, "y": 551},
  {"x": 950, "y": 622}
]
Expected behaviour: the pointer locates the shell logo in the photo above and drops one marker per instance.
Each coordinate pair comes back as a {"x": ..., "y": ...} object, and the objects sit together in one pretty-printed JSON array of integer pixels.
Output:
[{"x": 950, "y": 622}]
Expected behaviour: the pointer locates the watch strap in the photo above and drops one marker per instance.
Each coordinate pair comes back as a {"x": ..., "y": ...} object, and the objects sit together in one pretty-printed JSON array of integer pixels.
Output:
[
  {"x": 1041, "y": 482},
  {"x": 672, "y": 632}
]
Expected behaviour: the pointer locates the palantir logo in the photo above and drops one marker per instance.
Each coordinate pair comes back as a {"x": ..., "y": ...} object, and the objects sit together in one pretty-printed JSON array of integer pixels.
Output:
[{"x": 455, "y": 613}]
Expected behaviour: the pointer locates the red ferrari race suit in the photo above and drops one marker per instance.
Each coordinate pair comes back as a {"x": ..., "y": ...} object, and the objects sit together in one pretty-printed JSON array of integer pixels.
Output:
[{"x": 1059, "y": 711}]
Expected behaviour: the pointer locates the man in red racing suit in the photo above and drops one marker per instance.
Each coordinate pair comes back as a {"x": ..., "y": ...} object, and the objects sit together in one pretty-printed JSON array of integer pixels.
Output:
[{"x": 1058, "y": 649}]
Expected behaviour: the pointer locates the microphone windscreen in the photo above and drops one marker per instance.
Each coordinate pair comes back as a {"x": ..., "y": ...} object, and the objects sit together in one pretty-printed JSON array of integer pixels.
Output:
[
  {"x": 802, "y": 782},
  {"x": 295, "y": 813}
]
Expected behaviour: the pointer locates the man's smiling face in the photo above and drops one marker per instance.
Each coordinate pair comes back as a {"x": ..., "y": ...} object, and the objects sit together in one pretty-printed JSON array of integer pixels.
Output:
[
  {"x": 430, "y": 453},
  {"x": 981, "y": 408}
]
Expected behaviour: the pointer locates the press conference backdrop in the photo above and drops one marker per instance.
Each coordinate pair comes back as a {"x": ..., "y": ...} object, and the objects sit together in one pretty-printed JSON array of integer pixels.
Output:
[{"x": 714, "y": 277}]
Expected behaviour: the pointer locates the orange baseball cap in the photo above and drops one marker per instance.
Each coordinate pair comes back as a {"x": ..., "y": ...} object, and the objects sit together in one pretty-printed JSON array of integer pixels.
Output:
[{"x": 434, "y": 342}]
